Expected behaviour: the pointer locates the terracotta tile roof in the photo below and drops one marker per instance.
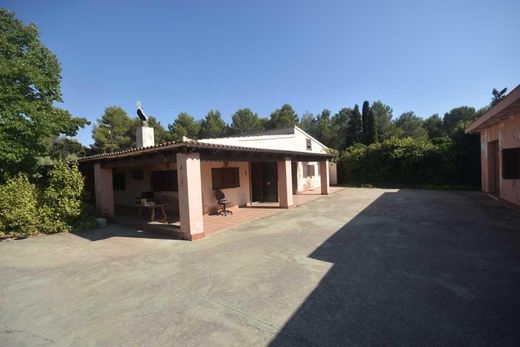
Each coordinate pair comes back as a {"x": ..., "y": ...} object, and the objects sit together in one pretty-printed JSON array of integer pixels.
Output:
[{"x": 177, "y": 146}]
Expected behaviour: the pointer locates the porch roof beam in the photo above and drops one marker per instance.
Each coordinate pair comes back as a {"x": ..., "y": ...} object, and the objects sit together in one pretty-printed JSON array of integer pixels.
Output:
[
  {"x": 254, "y": 156},
  {"x": 141, "y": 161}
]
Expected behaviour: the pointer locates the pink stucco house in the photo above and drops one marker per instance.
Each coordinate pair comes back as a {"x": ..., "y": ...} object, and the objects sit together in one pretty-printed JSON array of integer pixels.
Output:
[
  {"x": 267, "y": 167},
  {"x": 499, "y": 130}
]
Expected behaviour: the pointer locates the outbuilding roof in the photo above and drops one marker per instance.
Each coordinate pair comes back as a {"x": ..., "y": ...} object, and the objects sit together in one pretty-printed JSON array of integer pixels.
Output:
[{"x": 507, "y": 107}]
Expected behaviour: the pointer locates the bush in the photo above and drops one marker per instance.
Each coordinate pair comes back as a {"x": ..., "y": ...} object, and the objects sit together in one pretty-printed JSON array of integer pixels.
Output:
[
  {"x": 444, "y": 162},
  {"x": 54, "y": 206},
  {"x": 18, "y": 207},
  {"x": 61, "y": 198}
]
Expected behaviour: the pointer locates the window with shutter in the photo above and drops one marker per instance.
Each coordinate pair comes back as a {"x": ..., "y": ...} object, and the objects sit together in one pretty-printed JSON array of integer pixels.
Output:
[{"x": 226, "y": 177}]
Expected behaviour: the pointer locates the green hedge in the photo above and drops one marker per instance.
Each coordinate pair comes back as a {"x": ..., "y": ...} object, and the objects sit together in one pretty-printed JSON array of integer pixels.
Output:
[
  {"x": 441, "y": 163},
  {"x": 54, "y": 205}
]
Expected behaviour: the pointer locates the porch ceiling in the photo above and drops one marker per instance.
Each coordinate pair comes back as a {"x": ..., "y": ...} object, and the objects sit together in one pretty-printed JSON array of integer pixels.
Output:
[{"x": 166, "y": 153}]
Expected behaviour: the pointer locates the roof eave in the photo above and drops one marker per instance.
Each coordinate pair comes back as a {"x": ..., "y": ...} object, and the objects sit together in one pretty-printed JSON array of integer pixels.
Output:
[{"x": 486, "y": 119}]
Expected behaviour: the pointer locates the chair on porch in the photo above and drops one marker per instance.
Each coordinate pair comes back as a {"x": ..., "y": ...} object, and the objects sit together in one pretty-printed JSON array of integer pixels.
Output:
[{"x": 221, "y": 200}]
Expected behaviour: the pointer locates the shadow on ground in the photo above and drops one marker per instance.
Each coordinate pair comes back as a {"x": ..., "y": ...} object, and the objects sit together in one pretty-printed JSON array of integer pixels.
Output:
[
  {"x": 118, "y": 231},
  {"x": 409, "y": 270}
]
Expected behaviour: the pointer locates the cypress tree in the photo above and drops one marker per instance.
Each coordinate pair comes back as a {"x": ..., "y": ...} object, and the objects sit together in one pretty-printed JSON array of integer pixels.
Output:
[
  {"x": 365, "y": 115},
  {"x": 369, "y": 124},
  {"x": 354, "y": 128},
  {"x": 371, "y": 128}
]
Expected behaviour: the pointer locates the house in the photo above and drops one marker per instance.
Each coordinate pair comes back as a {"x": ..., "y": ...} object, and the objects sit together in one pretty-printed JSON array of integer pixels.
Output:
[
  {"x": 306, "y": 175},
  {"x": 260, "y": 168},
  {"x": 499, "y": 130}
]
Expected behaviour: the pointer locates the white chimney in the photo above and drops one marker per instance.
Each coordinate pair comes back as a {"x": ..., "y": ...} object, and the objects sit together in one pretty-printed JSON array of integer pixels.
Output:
[{"x": 144, "y": 136}]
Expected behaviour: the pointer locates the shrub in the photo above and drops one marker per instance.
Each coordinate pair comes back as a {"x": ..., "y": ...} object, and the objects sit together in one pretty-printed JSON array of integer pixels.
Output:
[
  {"x": 407, "y": 162},
  {"x": 54, "y": 206},
  {"x": 61, "y": 197},
  {"x": 18, "y": 207}
]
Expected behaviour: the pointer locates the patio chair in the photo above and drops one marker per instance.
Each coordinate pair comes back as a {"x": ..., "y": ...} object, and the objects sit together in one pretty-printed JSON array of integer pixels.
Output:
[{"x": 221, "y": 200}]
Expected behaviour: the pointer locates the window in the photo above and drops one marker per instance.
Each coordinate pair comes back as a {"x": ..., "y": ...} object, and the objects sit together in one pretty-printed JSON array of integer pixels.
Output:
[
  {"x": 227, "y": 177},
  {"x": 511, "y": 163},
  {"x": 308, "y": 170},
  {"x": 118, "y": 181},
  {"x": 137, "y": 175},
  {"x": 164, "y": 181},
  {"x": 309, "y": 144}
]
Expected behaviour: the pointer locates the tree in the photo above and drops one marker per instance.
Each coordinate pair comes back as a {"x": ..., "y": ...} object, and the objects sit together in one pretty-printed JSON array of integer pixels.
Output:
[
  {"x": 184, "y": 125},
  {"x": 410, "y": 125},
  {"x": 283, "y": 117},
  {"x": 497, "y": 96},
  {"x": 452, "y": 119},
  {"x": 385, "y": 128},
  {"x": 365, "y": 115},
  {"x": 213, "y": 126},
  {"x": 308, "y": 123},
  {"x": 433, "y": 126},
  {"x": 113, "y": 131},
  {"x": 369, "y": 124},
  {"x": 354, "y": 128},
  {"x": 323, "y": 128},
  {"x": 30, "y": 78},
  {"x": 66, "y": 148},
  {"x": 245, "y": 121},
  {"x": 339, "y": 125}
]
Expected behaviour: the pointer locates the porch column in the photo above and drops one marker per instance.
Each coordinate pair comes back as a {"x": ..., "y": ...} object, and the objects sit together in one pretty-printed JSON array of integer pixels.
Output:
[
  {"x": 104, "y": 190},
  {"x": 324, "y": 175},
  {"x": 285, "y": 183},
  {"x": 190, "y": 195}
]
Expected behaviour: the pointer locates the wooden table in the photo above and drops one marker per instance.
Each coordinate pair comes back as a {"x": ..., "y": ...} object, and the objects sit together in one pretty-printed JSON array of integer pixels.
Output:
[{"x": 151, "y": 209}]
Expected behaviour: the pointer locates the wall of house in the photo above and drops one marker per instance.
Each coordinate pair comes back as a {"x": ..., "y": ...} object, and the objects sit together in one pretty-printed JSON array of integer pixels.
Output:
[
  {"x": 297, "y": 141},
  {"x": 333, "y": 173},
  {"x": 507, "y": 132},
  {"x": 308, "y": 183},
  {"x": 239, "y": 196},
  {"x": 134, "y": 188}
]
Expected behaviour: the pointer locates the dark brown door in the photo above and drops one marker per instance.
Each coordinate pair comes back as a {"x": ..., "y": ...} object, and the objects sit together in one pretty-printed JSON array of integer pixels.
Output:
[
  {"x": 497, "y": 169},
  {"x": 264, "y": 181},
  {"x": 294, "y": 170},
  {"x": 493, "y": 168},
  {"x": 256, "y": 182}
]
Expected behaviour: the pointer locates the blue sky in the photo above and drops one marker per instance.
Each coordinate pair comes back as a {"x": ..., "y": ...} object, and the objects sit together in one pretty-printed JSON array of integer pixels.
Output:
[{"x": 195, "y": 56}]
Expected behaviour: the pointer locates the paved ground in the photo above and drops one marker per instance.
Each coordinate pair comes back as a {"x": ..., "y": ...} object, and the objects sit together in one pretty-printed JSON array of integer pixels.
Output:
[{"x": 363, "y": 266}]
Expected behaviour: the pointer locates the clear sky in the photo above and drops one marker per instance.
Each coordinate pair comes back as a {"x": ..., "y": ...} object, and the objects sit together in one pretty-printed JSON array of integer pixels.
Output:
[{"x": 195, "y": 56}]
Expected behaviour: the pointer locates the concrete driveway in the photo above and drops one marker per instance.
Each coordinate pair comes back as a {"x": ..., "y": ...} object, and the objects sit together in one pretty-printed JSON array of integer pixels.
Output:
[{"x": 362, "y": 266}]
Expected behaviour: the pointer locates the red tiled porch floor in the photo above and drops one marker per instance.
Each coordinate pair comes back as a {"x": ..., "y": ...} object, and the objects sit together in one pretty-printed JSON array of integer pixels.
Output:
[{"x": 242, "y": 215}]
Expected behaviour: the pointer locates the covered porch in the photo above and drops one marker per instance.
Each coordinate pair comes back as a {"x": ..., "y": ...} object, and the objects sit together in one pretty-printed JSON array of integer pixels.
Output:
[
  {"x": 214, "y": 223},
  {"x": 181, "y": 180}
]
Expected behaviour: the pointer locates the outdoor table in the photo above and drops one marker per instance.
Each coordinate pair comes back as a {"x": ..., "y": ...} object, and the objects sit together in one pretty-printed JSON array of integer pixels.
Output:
[{"x": 151, "y": 208}]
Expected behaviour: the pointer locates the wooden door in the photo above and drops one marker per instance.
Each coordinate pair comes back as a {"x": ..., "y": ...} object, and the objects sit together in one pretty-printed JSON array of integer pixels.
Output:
[
  {"x": 270, "y": 182},
  {"x": 493, "y": 168},
  {"x": 264, "y": 181}
]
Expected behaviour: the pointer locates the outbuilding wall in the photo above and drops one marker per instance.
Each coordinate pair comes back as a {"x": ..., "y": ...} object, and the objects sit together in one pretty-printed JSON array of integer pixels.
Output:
[{"x": 507, "y": 132}]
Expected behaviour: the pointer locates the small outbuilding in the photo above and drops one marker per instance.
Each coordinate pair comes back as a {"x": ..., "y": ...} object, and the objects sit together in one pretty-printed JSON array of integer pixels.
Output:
[{"x": 499, "y": 130}]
